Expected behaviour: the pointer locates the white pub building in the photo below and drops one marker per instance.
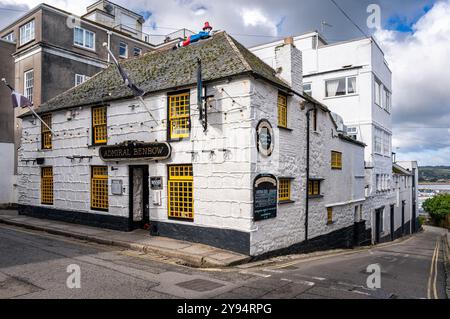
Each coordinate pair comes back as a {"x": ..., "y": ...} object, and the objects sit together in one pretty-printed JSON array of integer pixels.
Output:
[{"x": 230, "y": 161}]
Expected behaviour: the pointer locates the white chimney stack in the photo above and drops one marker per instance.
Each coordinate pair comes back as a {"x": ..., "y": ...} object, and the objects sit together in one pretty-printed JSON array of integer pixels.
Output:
[{"x": 288, "y": 63}]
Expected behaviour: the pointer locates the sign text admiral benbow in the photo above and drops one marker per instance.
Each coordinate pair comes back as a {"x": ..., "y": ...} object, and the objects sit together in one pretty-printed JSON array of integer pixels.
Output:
[{"x": 135, "y": 151}]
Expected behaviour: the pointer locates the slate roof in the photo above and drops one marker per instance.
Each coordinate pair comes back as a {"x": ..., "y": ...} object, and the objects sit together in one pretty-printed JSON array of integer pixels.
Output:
[{"x": 221, "y": 56}]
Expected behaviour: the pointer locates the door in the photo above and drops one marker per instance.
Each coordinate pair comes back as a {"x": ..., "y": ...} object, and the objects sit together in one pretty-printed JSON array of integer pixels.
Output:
[
  {"x": 392, "y": 222},
  {"x": 378, "y": 213},
  {"x": 139, "y": 197},
  {"x": 403, "y": 217}
]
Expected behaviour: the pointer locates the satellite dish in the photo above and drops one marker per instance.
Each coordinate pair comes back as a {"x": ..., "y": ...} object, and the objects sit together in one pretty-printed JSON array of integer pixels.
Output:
[{"x": 109, "y": 8}]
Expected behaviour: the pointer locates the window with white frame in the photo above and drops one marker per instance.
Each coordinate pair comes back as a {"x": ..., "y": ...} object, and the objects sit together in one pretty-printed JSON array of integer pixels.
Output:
[
  {"x": 80, "y": 78},
  {"x": 137, "y": 51},
  {"x": 378, "y": 141},
  {"x": 377, "y": 89},
  {"x": 387, "y": 105},
  {"x": 26, "y": 32},
  {"x": 340, "y": 87},
  {"x": 307, "y": 88},
  {"x": 123, "y": 50},
  {"x": 11, "y": 37},
  {"x": 386, "y": 144},
  {"x": 28, "y": 84},
  {"x": 84, "y": 38},
  {"x": 352, "y": 132}
]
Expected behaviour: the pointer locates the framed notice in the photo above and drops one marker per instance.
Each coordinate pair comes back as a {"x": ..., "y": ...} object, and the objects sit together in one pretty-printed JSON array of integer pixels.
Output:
[{"x": 265, "y": 197}]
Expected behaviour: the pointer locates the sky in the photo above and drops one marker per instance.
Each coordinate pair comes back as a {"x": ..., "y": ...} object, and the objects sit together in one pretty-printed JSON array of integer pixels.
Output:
[{"x": 414, "y": 34}]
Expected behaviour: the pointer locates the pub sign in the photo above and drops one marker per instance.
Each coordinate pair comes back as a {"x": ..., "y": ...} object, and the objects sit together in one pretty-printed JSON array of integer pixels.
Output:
[
  {"x": 265, "y": 197},
  {"x": 135, "y": 151}
]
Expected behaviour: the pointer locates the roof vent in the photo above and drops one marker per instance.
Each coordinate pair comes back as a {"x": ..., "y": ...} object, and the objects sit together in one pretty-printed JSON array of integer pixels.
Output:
[{"x": 109, "y": 8}]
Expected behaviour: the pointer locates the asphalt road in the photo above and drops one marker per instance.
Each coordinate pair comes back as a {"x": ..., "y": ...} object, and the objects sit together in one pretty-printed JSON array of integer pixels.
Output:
[{"x": 36, "y": 265}]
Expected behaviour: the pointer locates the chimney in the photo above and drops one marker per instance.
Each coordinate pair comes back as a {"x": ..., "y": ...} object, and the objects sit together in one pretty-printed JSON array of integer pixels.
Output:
[{"x": 288, "y": 63}]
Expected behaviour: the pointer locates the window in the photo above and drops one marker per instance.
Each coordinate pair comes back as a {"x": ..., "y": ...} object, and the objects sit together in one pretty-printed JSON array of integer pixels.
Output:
[
  {"x": 388, "y": 105},
  {"x": 26, "y": 32},
  {"x": 179, "y": 115},
  {"x": 386, "y": 144},
  {"x": 378, "y": 88},
  {"x": 46, "y": 135},
  {"x": 307, "y": 88},
  {"x": 80, "y": 79},
  {"x": 329, "y": 215},
  {"x": 11, "y": 37},
  {"x": 123, "y": 50},
  {"x": 137, "y": 51},
  {"x": 314, "y": 188},
  {"x": 336, "y": 160},
  {"x": 352, "y": 132},
  {"x": 47, "y": 185},
  {"x": 99, "y": 188},
  {"x": 28, "y": 84},
  {"x": 340, "y": 87},
  {"x": 180, "y": 197},
  {"x": 314, "y": 120},
  {"x": 378, "y": 141},
  {"x": 282, "y": 110},
  {"x": 84, "y": 38},
  {"x": 99, "y": 127},
  {"x": 284, "y": 189}
]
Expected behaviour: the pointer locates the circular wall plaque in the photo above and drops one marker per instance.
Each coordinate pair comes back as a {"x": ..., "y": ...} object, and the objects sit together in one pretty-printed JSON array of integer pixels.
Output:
[{"x": 265, "y": 138}]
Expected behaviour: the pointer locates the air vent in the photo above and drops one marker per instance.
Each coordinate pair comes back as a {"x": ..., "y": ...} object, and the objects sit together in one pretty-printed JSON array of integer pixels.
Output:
[{"x": 109, "y": 8}]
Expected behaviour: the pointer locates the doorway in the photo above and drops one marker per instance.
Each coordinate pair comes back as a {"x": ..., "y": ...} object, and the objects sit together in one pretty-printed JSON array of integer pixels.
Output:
[
  {"x": 392, "y": 222},
  {"x": 139, "y": 197},
  {"x": 378, "y": 221},
  {"x": 403, "y": 217}
]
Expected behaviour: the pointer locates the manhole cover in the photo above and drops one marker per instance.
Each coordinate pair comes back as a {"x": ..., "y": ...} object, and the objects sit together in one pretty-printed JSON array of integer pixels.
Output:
[{"x": 200, "y": 285}]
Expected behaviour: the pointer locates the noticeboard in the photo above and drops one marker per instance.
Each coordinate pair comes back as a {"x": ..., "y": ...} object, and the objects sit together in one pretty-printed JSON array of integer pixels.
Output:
[{"x": 265, "y": 197}]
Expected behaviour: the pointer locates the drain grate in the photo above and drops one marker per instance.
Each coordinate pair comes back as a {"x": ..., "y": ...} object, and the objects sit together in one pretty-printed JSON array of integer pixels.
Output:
[{"x": 200, "y": 285}]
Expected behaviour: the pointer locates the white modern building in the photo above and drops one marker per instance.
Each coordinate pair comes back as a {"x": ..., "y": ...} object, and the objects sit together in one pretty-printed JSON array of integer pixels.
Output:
[
  {"x": 236, "y": 180},
  {"x": 354, "y": 80}
]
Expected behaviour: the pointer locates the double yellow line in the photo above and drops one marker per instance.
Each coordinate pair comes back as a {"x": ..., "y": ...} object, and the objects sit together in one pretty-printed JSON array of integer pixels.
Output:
[{"x": 432, "y": 291}]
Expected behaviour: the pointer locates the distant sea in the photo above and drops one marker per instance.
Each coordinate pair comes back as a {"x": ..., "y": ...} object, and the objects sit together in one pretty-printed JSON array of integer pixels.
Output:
[{"x": 434, "y": 186}]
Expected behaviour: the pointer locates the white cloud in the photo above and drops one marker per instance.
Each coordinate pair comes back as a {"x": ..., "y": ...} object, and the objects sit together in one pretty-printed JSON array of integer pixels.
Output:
[
  {"x": 420, "y": 62},
  {"x": 255, "y": 17}
]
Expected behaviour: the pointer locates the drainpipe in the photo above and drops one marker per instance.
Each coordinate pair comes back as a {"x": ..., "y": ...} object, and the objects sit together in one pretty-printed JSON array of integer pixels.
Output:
[
  {"x": 109, "y": 44},
  {"x": 308, "y": 124}
]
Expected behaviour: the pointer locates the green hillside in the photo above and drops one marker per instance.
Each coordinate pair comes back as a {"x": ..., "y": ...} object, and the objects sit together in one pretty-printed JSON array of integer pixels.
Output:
[{"x": 434, "y": 174}]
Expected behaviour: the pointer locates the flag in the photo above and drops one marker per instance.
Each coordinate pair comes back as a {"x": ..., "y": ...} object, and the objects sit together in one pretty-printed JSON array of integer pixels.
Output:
[
  {"x": 20, "y": 100},
  {"x": 126, "y": 79}
]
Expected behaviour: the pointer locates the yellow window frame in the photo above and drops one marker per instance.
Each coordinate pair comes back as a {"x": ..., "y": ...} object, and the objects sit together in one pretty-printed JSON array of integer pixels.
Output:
[
  {"x": 46, "y": 134},
  {"x": 284, "y": 189},
  {"x": 336, "y": 160},
  {"x": 47, "y": 185},
  {"x": 99, "y": 188},
  {"x": 179, "y": 115},
  {"x": 181, "y": 192},
  {"x": 99, "y": 125},
  {"x": 282, "y": 110},
  {"x": 329, "y": 215},
  {"x": 314, "y": 188}
]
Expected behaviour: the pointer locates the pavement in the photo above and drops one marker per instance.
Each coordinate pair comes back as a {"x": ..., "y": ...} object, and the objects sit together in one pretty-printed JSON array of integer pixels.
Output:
[
  {"x": 191, "y": 254},
  {"x": 36, "y": 264}
]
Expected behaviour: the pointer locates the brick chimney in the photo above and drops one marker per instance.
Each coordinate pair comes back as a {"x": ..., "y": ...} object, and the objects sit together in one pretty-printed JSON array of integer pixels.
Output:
[{"x": 288, "y": 64}]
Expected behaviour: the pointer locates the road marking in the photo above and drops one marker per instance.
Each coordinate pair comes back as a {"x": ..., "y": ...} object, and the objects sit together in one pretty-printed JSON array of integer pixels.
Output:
[
  {"x": 273, "y": 271},
  {"x": 301, "y": 282},
  {"x": 319, "y": 278},
  {"x": 433, "y": 273},
  {"x": 436, "y": 270},
  {"x": 255, "y": 274}
]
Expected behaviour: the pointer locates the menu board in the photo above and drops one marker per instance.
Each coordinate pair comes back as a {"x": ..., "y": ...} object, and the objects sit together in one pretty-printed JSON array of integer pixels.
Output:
[{"x": 265, "y": 197}]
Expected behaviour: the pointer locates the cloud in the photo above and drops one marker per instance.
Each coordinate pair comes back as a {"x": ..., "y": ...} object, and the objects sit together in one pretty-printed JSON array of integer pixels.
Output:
[{"x": 421, "y": 94}]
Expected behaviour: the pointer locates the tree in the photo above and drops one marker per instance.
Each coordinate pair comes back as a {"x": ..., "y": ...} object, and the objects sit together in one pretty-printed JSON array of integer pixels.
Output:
[{"x": 438, "y": 207}]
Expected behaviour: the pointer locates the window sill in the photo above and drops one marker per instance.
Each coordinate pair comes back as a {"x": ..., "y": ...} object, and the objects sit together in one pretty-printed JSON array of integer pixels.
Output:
[
  {"x": 336, "y": 168},
  {"x": 25, "y": 44},
  {"x": 84, "y": 48},
  {"x": 285, "y": 202},
  {"x": 330, "y": 224},
  {"x": 315, "y": 196},
  {"x": 285, "y": 129},
  {"x": 177, "y": 219},
  {"x": 340, "y": 96}
]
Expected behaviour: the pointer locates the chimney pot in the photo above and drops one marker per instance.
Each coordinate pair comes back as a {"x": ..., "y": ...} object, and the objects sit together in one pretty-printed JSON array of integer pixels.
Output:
[{"x": 289, "y": 40}]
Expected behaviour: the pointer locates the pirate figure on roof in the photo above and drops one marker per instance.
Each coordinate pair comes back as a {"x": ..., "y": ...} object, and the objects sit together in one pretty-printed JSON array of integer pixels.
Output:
[{"x": 205, "y": 34}]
